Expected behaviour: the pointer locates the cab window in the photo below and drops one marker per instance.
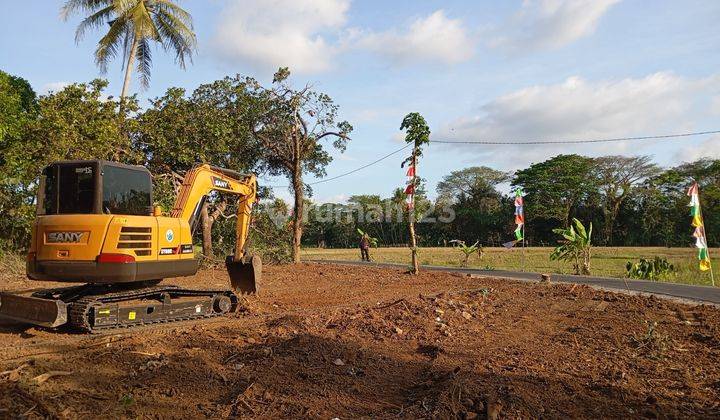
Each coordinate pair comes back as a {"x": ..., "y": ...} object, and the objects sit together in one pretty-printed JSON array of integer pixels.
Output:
[
  {"x": 126, "y": 191},
  {"x": 76, "y": 190}
]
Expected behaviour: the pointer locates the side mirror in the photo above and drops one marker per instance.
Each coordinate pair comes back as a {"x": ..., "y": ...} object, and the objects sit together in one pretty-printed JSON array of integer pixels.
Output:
[{"x": 157, "y": 211}]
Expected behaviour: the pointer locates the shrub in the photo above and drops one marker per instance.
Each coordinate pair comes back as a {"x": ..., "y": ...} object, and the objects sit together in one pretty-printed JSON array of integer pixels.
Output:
[{"x": 655, "y": 269}]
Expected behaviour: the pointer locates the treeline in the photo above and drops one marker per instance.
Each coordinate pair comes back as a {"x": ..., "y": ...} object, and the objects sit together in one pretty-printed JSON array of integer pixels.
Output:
[
  {"x": 235, "y": 123},
  {"x": 629, "y": 200}
]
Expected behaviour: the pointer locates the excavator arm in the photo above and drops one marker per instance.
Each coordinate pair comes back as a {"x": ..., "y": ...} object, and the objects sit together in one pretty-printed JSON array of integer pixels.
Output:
[{"x": 244, "y": 269}]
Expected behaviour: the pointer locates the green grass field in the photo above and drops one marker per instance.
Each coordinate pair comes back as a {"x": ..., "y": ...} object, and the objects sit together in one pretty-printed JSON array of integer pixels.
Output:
[{"x": 606, "y": 262}]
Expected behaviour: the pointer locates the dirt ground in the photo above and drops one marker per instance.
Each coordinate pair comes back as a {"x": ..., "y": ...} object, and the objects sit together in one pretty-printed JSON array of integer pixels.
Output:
[{"x": 338, "y": 341}]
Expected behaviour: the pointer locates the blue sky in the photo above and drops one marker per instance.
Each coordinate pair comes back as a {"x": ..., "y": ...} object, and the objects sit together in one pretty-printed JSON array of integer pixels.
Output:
[{"x": 477, "y": 70}]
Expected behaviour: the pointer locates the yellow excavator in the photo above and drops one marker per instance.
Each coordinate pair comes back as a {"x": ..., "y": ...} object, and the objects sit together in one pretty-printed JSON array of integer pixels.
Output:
[{"x": 96, "y": 225}]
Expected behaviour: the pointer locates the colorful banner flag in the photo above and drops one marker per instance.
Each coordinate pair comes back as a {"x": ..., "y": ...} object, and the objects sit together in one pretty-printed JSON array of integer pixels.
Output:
[
  {"x": 697, "y": 223},
  {"x": 410, "y": 188},
  {"x": 519, "y": 214}
]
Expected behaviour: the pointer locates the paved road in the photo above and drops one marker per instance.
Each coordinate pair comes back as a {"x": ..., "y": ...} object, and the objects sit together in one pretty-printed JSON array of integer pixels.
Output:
[{"x": 686, "y": 292}]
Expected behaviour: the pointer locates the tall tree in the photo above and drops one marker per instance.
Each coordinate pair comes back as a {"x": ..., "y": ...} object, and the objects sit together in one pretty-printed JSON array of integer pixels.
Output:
[
  {"x": 76, "y": 122},
  {"x": 468, "y": 181},
  {"x": 291, "y": 126},
  {"x": 133, "y": 26},
  {"x": 18, "y": 105},
  {"x": 478, "y": 206},
  {"x": 417, "y": 134},
  {"x": 555, "y": 187},
  {"x": 617, "y": 177},
  {"x": 208, "y": 126}
]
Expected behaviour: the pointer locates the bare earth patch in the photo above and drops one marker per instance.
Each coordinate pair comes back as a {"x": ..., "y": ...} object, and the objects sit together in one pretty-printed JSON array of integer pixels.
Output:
[{"x": 338, "y": 341}]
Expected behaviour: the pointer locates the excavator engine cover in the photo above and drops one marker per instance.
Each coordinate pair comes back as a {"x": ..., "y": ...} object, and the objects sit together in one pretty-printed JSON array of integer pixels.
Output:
[{"x": 244, "y": 273}]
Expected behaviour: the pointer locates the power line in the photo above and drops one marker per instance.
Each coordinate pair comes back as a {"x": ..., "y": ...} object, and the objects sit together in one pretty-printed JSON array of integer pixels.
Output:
[
  {"x": 497, "y": 142},
  {"x": 353, "y": 171}
]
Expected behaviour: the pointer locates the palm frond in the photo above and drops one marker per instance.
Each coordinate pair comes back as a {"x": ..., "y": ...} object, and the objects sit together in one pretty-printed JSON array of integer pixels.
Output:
[
  {"x": 74, "y": 6},
  {"x": 142, "y": 22},
  {"x": 168, "y": 7},
  {"x": 144, "y": 62},
  {"x": 108, "y": 46},
  {"x": 177, "y": 37},
  {"x": 94, "y": 21}
]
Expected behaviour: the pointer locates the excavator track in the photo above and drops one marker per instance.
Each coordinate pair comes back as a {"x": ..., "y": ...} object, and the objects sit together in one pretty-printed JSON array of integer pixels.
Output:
[
  {"x": 92, "y": 308},
  {"x": 154, "y": 305}
]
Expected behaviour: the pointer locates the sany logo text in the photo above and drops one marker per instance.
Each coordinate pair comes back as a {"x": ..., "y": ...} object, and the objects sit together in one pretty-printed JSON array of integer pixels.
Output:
[
  {"x": 221, "y": 183},
  {"x": 64, "y": 237}
]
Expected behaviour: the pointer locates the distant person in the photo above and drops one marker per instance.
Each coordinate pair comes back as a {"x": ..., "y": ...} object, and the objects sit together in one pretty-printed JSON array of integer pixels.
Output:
[{"x": 365, "y": 247}]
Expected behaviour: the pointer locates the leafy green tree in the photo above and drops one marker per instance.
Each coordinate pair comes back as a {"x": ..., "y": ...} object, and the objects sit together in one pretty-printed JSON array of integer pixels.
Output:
[
  {"x": 132, "y": 26},
  {"x": 663, "y": 203},
  {"x": 18, "y": 105},
  {"x": 77, "y": 122},
  {"x": 467, "y": 182},
  {"x": 209, "y": 126},
  {"x": 291, "y": 126},
  {"x": 554, "y": 189},
  {"x": 617, "y": 178},
  {"x": 480, "y": 210}
]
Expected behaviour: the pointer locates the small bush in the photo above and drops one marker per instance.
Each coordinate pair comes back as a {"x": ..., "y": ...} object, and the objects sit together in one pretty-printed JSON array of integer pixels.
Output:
[
  {"x": 652, "y": 344},
  {"x": 655, "y": 269}
]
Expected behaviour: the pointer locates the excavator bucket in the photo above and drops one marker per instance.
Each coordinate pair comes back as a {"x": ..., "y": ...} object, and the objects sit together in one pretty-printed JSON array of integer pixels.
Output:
[{"x": 244, "y": 273}]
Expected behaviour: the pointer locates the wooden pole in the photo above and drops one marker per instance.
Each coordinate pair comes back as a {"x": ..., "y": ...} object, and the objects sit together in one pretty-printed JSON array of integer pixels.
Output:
[
  {"x": 411, "y": 215},
  {"x": 523, "y": 241}
]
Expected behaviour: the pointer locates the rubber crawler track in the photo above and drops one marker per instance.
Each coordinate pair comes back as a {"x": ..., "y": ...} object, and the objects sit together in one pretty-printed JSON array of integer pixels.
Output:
[{"x": 79, "y": 310}]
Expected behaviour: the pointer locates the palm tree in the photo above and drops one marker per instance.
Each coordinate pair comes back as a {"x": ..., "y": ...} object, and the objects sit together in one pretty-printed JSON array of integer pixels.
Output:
[{"x": 133, "y": 25}]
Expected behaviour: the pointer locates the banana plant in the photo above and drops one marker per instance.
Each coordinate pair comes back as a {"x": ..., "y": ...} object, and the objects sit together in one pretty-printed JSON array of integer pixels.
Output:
[
  {"x": 467, "y": 250},
  {"x": 574, "y": 247}
]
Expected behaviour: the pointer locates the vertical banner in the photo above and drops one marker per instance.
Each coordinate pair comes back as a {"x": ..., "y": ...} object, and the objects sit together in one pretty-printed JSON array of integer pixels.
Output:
[
  {"x": 410, "y": 188},
  {"x": 519, "y": 215},
  {"x": 699, "y": 233},
  {"x": 520, "y": 222}
]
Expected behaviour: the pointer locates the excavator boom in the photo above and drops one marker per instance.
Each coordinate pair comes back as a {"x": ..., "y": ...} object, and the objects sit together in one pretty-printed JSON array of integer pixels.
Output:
[{"x": 244, "y": 270}]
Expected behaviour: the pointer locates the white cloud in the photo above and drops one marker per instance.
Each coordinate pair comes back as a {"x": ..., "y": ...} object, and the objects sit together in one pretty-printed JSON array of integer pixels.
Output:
[
  {"x": 660, "y": 103},
  {"x": 53, "y": 87},
  {"x": 307, "y": 36},
  {"x": 432, "y": 38},
  {"x": 273, "y": 33},
  {"x": 550, "y": 24},
  {"x": 709, "y": 148}
]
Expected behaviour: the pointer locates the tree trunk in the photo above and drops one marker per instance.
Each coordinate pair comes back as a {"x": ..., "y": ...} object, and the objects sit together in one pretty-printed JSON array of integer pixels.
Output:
[
  {"x": 297, "y": 216},
  {"x": 206, "y": 231},
  {"x": 208, "y": 220},
  {"x": 128, "y": 70},
  {"x": 610, "y": 218},
  {"x": 413, "y": 243}
]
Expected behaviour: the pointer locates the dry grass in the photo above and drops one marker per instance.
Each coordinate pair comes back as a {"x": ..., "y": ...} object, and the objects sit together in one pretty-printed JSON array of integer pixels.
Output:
[
  {"x": 12, "y": 267},
  {"x": 606, "y": 262}
]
